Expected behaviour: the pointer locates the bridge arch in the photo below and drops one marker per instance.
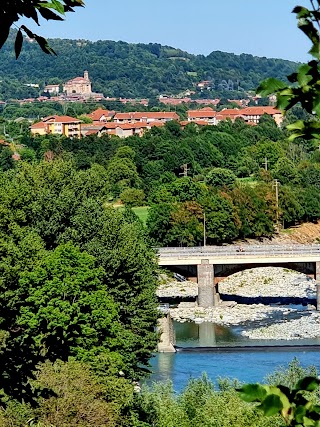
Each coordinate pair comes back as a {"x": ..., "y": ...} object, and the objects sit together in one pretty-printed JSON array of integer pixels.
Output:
[
  {"x": 222, "y": 271},
  {"x": 268, "y": 285}
]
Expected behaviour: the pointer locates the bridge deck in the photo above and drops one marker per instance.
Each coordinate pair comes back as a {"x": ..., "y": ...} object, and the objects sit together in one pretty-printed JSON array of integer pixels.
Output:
[{"x": 251, "y": 254}]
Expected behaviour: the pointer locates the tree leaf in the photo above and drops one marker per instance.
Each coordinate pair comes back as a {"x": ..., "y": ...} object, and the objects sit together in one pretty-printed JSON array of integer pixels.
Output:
[
  {"x": 42, "y": 42},
  {"x": 303, "y": 75},
  {"x": 271, "y": 405},
  {"x": 299, "y": 413},
  {"x": 270, "y": 86},
  {"x": 28, "y": 32},
  {"x": 308, "y": 422},
  {"x": 18, "y": 43},
  {"x": 49, "y": 15},
  {"x": 308, "y": 383},
  {"x": 252, "y": 393},
  {"x": 4, "y": 33},
  {"x": 309, "y": 30},
  {"x": 298, "y": 125},
  {"x": 58, "y": 6},
  {"x": 301, "y": 12}
]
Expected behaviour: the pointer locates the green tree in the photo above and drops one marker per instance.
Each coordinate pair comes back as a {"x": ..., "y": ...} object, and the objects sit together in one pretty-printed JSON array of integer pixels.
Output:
[
  {"x": 120, "y": 247},
  {"x": 132, "y": 197},
  {"x": 6, "y": 160},
  {"x": 285, "y": 171},
  {"x": 11, "y": 13},
  {"x": 67, "y": 309},
  {"x": 221, "y": 219},
  {"x": 220, "y": 177}
]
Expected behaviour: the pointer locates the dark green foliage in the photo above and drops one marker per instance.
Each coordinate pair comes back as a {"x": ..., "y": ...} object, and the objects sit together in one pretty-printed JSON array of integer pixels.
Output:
[
  {"x": 132, "y": 197},
  {"x": 116, "y": 68},
  {"x": 11, "y": 13},
  {"x": 120, "y": 248},
  {"x": 294, "y": 405},
  {"x": 67, "y": 309},
  {"x": 220, "y": 177},
  {"x": 6, "y": 160},
  {"x": 78, "y": 309}
]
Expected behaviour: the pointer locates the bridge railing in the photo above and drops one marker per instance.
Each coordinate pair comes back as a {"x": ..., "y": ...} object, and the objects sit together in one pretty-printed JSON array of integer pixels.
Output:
[{"x": 244, "y": 250}]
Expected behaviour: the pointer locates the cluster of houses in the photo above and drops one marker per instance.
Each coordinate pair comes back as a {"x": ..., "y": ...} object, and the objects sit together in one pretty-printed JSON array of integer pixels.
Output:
[
  {"x": 79, "y": 89},
  {"x": 136, "y": 123}
]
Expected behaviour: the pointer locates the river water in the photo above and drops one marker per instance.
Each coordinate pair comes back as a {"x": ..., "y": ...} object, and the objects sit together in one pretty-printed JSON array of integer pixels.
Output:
[{"x": 195, "y": 356}]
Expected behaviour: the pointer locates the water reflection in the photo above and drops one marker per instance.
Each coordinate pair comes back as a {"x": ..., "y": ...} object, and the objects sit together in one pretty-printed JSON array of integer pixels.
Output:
[
  {"x": 205, "y": 334},
  {"x": 165, "y": 365}
]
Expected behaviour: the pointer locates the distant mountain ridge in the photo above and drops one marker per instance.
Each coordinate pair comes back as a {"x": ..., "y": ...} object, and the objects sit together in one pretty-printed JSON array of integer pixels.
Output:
[{"x": 123, "y": 69}]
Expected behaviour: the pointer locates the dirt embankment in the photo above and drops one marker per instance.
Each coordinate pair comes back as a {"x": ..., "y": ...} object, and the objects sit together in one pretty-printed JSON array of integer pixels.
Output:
[{"x": 306, "y": 233}]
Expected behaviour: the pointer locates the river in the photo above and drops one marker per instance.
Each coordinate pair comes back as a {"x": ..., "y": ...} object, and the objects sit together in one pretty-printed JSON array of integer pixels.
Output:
[{"x": 228, "y": 361}]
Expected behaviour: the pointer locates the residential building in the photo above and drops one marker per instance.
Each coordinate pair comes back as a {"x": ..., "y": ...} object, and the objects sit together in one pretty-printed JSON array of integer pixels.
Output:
[
  {"x": 253, "y": 114},
  {"x": 147, "y": 117},
  {"x": 250, "y": 115},
  {"x": 206, "y": 114},
  {"x": 101, "y": 115},
  {"x": 229, "y": 113},
  {"x": 40, "y": 128},
  {"x": 205, "y": 84},
  {"x": 52, "y": 89},
  {"x": 58, "y": 125}
]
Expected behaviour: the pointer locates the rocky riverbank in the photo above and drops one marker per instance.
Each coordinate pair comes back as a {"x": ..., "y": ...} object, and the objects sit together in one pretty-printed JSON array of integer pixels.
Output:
[{"x": 287, "y": 322}]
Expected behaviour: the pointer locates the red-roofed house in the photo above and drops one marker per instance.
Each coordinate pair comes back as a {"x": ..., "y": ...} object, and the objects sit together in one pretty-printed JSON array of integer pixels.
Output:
[
  {"x": 253, "y": 114},
  {"x": 148, "y": 117},
  {"x": 229, "y": 113},
  {"x": 39, "y": 128},
  {"x": 58, "y": 125},
  {"x": 206, "y": 114},
  {"x": 101, "y": 115}
]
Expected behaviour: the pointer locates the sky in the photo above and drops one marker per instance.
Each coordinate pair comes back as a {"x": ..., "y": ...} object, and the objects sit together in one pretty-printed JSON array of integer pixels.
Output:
[{"x": 264, "y": 28}]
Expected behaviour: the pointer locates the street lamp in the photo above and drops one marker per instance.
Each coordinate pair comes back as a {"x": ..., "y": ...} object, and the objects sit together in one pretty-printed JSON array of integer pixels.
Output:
[
  {"x": 204, "y": 229},
  {"x": 276, "y": 186}
]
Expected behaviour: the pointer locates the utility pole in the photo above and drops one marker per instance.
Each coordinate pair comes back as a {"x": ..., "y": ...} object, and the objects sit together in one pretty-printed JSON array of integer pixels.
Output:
[
  {"x": 266, "y": 163},
  {"x": 185, "y": 169},
  {"x": 204, "y": 229},
  {"x": 276, "y": 186}
]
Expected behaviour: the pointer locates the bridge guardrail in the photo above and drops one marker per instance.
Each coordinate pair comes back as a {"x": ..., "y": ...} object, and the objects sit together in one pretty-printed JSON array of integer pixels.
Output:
[{"x": 249, "y": 250}]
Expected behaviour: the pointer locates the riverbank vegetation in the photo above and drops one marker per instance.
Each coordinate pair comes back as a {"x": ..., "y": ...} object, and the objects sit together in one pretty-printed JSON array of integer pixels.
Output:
[
  {"x": 81, "y": 396},
  {"x": 241, "y": 181},
  {"x": 78, "y": 305}
]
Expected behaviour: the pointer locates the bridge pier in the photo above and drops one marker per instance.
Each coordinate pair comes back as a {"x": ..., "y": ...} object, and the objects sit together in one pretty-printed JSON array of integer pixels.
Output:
[
  {"x": 207, "y": 295},
  {"x": 317, "y": 271},
  {"x": 167, "y": 338},
  {"x": 318, "y": 295}
]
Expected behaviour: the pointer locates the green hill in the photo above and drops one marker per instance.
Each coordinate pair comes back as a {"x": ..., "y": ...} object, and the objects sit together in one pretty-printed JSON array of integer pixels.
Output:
[{"x": 132, "y": 70}]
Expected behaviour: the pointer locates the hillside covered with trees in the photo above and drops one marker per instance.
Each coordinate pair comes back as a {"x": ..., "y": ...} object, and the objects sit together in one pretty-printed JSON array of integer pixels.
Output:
[{"x": 121, "y": 69}]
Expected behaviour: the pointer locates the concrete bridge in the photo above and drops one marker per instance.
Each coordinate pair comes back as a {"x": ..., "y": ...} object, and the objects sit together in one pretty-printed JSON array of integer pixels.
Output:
[{"x": 210, "y": 264}]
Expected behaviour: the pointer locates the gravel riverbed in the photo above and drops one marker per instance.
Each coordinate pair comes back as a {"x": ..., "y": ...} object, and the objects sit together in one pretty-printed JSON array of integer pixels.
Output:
[{"x": 260, "y": 282}]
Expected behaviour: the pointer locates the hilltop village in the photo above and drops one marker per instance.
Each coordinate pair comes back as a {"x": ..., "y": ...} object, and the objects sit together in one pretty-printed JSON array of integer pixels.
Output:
[{"x": 102, "y": 121}]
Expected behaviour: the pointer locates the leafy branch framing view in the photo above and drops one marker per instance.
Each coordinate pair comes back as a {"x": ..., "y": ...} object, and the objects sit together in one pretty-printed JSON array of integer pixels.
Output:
[
  {"x": 11, "y": 12},
  {"x": 305, "y": 88}
]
